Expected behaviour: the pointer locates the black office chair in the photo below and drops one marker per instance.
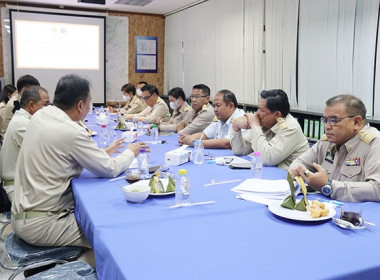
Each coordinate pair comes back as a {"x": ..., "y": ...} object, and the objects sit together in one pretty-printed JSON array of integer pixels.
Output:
[
  {"x": 68, "y": 271},
  {"x": 25, "y": 256}
]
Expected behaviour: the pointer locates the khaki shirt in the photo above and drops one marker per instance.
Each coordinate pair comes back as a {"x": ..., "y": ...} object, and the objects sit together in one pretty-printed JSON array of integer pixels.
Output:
[
  {"x": 185, "y": 113},
  {"x": 55, "y": 150},
  {"x": 278, "y": 146},
  {"x": 8, "y": 113},
  {"x": 133, "y": 106},
  {"x": 150, "y": 114},
  {"x": 354, "y": 169},
  {"x": 199, "y": 121},
  {"x": 2, "y": 112},
  {"x": 12, "y": 143}
]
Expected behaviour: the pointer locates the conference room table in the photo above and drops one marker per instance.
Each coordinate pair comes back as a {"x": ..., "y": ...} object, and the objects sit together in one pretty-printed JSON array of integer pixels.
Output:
[{"x": 231, "y": 239}]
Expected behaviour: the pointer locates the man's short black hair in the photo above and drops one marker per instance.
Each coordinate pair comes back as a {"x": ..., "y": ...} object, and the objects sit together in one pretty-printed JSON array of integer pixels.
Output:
[
  {"x": 142, "y": 82},
  {"x": 228, "y": 97},
  {"x": 25, "y": 81},
  {"x": 177, "y": 92},
  {"x": 205, "y": 89},
  {"x": 70, "y": 89},
  {"x": 354, "y": 106},
  {"x": 150, "y": 88},
  {"x": 128, "y": 88},
  {"x": 277, "y": 100}
]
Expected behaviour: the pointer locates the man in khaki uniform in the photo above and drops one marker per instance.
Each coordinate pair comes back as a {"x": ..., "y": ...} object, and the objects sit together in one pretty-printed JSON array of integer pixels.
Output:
[
  {"x": 33, "y": 99},
  {"x": 217, "y": 134},
  {"x": 22, "y": 83},
  {"x": 344, "y": 164},
  {"x": 55, "y": 150},
  {"x": 274, "y": 132},
  {"x": 203, "y": 113},
  {"x": 181, "y": 110},
  {"x": 134, "y": 104},
  {"x": 156, "y": 108}
]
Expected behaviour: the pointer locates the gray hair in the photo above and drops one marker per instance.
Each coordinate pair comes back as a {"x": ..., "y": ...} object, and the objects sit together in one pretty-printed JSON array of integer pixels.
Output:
[{"x": 31, "y": 93}]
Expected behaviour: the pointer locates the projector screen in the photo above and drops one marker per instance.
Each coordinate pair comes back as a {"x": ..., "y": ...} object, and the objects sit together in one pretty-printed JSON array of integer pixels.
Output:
[{"x": 49, "y": 46}]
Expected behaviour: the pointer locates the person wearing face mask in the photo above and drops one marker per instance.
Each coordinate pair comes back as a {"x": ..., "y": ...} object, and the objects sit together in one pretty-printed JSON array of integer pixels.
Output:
[
  {"x": 139, "y": 86},
  {"x": 134, "y": 104},
  {"x": 182, "y": 111}
]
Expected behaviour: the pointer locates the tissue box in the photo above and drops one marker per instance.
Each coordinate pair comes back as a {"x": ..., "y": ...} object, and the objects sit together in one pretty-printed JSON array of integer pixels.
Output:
[
  {"x": 177, "y": 156},
  {"x": 129, "y": 136}
]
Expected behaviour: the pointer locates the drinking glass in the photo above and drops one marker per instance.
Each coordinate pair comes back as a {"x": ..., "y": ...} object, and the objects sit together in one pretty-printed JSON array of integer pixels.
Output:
[
  {"x": 352, "y": 214},
  {"x": 132, "y": 175}
]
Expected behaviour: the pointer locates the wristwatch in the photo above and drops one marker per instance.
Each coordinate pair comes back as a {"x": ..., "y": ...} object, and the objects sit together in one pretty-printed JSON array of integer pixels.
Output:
[{"x": 326, "y": 190}]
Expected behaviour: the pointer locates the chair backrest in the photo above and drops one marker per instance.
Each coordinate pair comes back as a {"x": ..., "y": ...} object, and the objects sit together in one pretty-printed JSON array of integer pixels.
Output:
[
  {"x": 24, "y": 254},
  {"x": 68, "y": 271}
]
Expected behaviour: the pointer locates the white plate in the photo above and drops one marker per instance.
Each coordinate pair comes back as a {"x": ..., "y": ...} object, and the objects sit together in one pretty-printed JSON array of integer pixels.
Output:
[
  {"x": 164, "y": 183},
  {"x": 278, "y": 210}
]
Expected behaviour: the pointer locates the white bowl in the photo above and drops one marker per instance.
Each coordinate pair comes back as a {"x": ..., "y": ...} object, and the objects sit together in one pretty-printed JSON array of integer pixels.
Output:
[{"x": 136, "y": 192}]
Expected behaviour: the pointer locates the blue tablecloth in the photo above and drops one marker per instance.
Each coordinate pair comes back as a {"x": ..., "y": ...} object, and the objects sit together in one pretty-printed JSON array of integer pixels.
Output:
[{"x": 232, "y": 239}]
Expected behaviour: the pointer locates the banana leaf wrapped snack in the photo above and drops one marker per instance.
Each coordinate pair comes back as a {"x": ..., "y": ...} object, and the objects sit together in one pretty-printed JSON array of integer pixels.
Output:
[
  {"x": 156, "y": 185},
  {"x": 121, "y": 123},
  {"x": 290, "y": 201}
]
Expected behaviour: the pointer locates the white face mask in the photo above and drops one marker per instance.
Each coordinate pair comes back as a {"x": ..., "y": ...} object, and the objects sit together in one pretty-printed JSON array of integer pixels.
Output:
[
  {"x": 174, "y": 105},
  {"x": 138, "y": 91},
  {"x": 126, "y": 98}
]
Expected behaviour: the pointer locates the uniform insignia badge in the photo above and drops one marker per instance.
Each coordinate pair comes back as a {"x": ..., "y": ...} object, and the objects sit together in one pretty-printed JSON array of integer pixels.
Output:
[
  {"x": 330, "y": 155},
  {"x": 353, "y": 162}
]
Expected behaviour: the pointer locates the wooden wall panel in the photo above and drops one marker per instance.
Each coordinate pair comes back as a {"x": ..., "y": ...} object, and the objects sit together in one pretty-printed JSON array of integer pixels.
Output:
[{"x": 146, "y": 25}]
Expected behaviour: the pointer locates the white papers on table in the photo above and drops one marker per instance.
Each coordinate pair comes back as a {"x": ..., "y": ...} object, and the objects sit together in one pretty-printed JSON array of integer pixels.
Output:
[
  {"x": 263, "y": 191},
  {"x": 228, "y": 159}
]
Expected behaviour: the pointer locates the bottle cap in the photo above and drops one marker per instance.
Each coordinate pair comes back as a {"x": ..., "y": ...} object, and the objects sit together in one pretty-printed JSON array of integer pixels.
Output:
[
  {"x": 182, "y": 172},
  {"x": 256, "y": 154},
  {"x": 153, "y": 126},
  {"x": 140, "y": 120},
  {"x": 142, "y": 150},
  {"x": 103, "y": 125}
]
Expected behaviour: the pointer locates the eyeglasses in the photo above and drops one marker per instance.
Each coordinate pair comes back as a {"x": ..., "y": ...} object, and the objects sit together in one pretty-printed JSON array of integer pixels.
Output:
[
  {"x": 333, "y": 120},
  {"x": 145, "y": 98},
  {"x": 197, "y": 96}
]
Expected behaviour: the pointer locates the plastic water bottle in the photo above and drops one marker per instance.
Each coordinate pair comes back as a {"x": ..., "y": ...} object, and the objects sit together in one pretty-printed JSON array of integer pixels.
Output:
[
  {"x": 154, "y": 134},
  {"x": 140, "y": 128},
  {"x": 104, "y": 138},
  {"x": 182, "y": 190},
  {"x": 143, "y": 164},
  {"x": 198, "y": 152},
  {"x": 257, "y": 166}
]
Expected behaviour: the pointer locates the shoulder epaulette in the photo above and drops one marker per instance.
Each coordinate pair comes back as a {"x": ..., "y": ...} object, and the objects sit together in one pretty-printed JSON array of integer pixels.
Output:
[
  {"x": 282, "y": 124},
  {"x": 204, "y": 107},
  {"x": 215, "y": 119},
  {"x": 324, "y": 137},
  {"x": 366, "y": 136},
  {"x": 186, "y": 109}
]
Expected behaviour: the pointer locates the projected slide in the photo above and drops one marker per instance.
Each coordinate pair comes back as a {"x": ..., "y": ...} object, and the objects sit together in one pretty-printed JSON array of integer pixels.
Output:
[{"x": 51, "y": 45}]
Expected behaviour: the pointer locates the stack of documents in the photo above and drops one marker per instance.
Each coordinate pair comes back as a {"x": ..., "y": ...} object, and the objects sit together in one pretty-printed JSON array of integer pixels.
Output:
[{"x": 263, "y": 191}]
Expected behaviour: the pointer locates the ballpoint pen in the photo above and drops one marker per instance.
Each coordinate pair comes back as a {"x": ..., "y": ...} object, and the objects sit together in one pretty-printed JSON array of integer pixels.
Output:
[{"x": 330, "y": 201}]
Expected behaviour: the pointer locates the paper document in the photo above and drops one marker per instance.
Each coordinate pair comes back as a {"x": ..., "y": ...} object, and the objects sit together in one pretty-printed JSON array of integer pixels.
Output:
[
  {"x": 228, "y": 159},
  {"x": 264, "y": 191},
  {"x": 263, "y": 186}
]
